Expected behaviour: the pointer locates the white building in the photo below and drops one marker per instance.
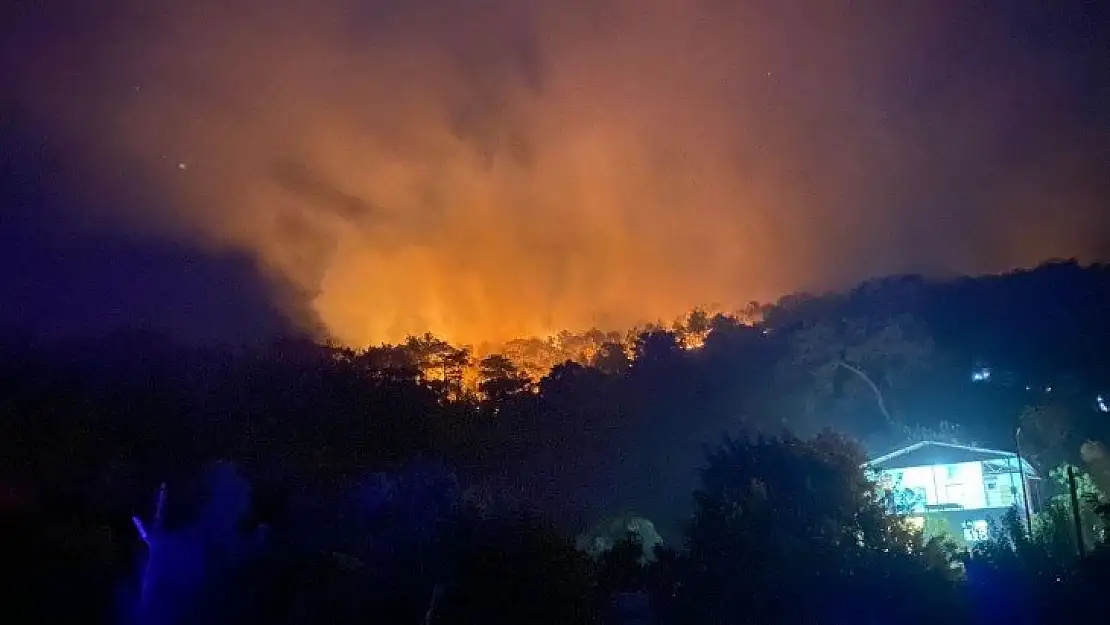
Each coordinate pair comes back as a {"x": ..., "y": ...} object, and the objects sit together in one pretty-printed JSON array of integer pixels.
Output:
[{"x": 969, "y": 486}]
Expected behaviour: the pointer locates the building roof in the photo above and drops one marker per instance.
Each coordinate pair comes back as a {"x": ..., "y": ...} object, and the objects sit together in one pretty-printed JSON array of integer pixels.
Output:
[{"x": 928, "y": 453}]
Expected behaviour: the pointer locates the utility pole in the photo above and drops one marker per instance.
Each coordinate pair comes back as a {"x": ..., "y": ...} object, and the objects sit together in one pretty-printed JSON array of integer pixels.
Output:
[
  {"x": 1075, "y": 512},
  {"x": 1024, "y": 490}
]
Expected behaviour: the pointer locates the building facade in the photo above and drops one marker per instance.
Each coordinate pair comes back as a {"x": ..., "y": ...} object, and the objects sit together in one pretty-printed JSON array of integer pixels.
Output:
[{"x": 966, "y": 486}]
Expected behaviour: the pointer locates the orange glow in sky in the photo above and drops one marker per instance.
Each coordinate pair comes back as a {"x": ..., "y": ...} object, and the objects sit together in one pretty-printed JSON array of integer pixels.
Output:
[{"x": 491, "y": 170}]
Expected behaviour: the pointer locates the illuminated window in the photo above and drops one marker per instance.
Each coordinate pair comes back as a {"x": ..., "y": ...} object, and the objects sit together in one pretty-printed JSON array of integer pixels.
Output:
[
  {"x": 976, "y": 531},
  {"x": 955, "y": 494}
]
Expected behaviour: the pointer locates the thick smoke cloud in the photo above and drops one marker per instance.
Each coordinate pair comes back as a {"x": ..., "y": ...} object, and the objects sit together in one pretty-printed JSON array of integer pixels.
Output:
[{"x": 500, "y": 168}]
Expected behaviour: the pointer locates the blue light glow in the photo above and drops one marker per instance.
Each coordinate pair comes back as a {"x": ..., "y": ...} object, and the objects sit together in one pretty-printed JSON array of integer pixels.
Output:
[{"x": 981, "y": 374}]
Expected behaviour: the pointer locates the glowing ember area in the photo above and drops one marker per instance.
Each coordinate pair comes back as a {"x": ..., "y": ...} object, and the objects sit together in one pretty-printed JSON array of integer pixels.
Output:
[{"x": 496, "y": 170}]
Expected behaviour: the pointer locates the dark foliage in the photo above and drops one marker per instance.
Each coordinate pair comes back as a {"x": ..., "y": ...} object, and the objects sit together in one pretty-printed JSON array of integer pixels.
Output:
[
  {"x": 88, "y": 430},
  {"x": 817, "y": 543}
]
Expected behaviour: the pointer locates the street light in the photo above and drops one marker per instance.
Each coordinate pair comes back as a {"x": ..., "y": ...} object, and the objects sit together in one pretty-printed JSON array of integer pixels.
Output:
[{"x": 1024, "y": 490}]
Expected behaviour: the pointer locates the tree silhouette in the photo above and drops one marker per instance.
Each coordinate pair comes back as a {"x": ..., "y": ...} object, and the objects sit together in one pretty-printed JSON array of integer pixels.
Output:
[
  {"x": 656, "y": 348},
  {"x": 842, "y": 357},
  {"x": 788, "y": 530},
  {"x": 611, "y": 358},
  {"x": 499, "y": 379},
  {"x": 441, "y": 365},
  {"x": 1047, "y": 434}
]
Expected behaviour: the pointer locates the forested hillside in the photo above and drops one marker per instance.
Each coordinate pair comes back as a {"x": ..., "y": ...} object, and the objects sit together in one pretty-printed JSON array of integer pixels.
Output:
[{"x": 619, "y": 425}]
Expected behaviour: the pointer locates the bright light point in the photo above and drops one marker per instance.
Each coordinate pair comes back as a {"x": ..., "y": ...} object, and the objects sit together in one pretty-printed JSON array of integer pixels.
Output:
[
  {"x": 981, "y": 375},
  {"x": 182, "y": 166},
  {"x": 1102, "y": 407},
  {"x": 1048, "y": 389}
]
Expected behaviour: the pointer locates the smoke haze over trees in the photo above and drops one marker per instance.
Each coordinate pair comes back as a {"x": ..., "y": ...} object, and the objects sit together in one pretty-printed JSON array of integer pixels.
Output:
[{"x": 516, "y": 169}]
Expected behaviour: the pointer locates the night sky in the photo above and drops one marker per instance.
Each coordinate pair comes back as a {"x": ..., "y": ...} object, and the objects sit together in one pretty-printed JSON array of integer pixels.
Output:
[{"x": 487, "y": 170}]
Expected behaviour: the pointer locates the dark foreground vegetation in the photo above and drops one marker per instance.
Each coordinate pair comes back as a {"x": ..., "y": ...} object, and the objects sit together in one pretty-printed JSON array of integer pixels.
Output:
[{"x": 419, "y": 483}]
